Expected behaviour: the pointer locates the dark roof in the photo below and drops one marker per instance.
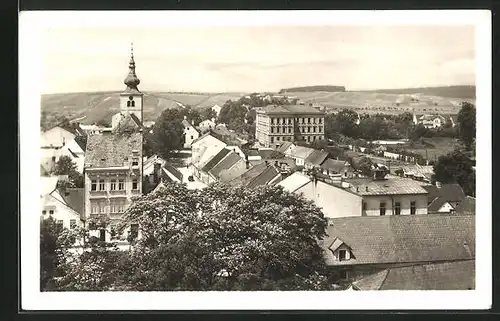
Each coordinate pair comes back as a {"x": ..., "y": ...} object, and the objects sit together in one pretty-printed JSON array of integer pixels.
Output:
[
  {"x": 264, "y": 178},
  {"x": 108, "y": 150},
  {"x": 459, "y": 275},
  {"x": 226, "y": 163},
  {"x": 317, "y": 157},
  {"x": 333, "y": 165},
  {"x": 290, "y": 109},
  {"x": 436, "y": 204},
  {"x": 215, "y": 160},
  {"x": 209, "y": 133},
  {"x": 260, "y": 174},
  {"x": 467, "y": 206},
  {"x": 270, "y": 154},
  {"x": 452, "y": 192},
  {"x": 402, "y": 238},
  {"x": 172, "y": 170},
  {"x": 81, "y": 141},
  {"x": 137, "y": 121},
  {"x": 433, "y": 192},
  {"x": 75, "y": 198}
]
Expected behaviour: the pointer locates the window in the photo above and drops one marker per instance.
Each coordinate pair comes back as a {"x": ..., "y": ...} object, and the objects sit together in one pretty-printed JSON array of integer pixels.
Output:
[
  {"x": 121, "y": 207},
  {"x": 272, "y": 130},
  {"x": 113, "y": 207},
  {"x": 289, "y": 120},
  {"x": 113, "y": 185},
  {"x": 134, "y": 184},
  {"x": 382, "y": 208},
  {"x": 93, "y": 185},
  {"x": 320, "y": 120},
  {"x": 102, "y": 187},
  {"x": 121, "y": 184},
  {"x": 363, "y": 205},
  {"x": 51, "y": 212},
  {"x": 272, "y": 139},
  {"x": 314, "y": 128},
  {"x": 132, "y": 103},
  {"x": 308, "y": 120},
  {"x": 94, "y": 208},
  {"x": 135, "y": 162},
  {"x": 277, "y": 130},
  {"x": 72, "y": 224},
  {"x": 44, "y": 212},
  {"x": 289, "y": 130},
  {"x": 277, "y": 138},
  {"x": 308, "y": 129},
  {"x": 413, "y": 207},
  {"x": 102, "y": 207},
  {"x": 342, "y": 255},
  {"x": 128, "y": 103},
  {"x": 60, "y": 223},
  {"x": 192, "y": 137},
  {"x": 272, "y": 121},
  {"x": 397, "y": 208},
  {"x": 320, "y": 129}
]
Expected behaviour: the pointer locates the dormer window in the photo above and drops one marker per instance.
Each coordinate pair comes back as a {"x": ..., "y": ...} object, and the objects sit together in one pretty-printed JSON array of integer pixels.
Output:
[{"x": 342, "y": 255}]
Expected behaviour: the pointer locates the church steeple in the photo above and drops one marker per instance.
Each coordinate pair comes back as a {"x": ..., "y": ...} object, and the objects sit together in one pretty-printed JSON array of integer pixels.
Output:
[{"x": 132, "y": 81}]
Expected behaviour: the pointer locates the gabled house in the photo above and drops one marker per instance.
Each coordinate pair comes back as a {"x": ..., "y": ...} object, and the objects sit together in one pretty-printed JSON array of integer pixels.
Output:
[
  {"x": 285, "y": 147},
  {"x": 315, "y": 159},
  {"x": 430, "y": 121},
  {"x": 444, "y": 198},
  {"x": 56, "y": 137},
  {"x": 332, "y": 167},
  {"x": 418, "y": 172},
  {"x": 54, "y": 204},
  {"x": 190, "y": 133},
  {"x": 206, "y": 125},
  {"x": 299, "y": 154},
  {"x": 203, "y": 149},
  {"x": 359, "y": 196},
  {"x": 216, "y": 109},
  {"x": 373, "y": 248}
]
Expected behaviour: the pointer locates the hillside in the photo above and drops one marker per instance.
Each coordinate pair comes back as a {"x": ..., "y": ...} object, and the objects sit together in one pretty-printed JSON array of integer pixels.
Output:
[
  {"x": 92, "y": 107},
  {"x": 313, "y": 89},
  {"x": 465, "y": 92}
]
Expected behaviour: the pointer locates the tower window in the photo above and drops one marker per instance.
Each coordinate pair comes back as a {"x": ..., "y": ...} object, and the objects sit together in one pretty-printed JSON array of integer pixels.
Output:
[
  {"x": 128, "y": 103},
  {"x": 133, "y": 103}
]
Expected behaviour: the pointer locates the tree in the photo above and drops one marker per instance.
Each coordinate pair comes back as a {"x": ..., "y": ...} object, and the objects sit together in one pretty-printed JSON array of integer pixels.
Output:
[
  {"x": 54, "y": 241},
  {"x": 418, "y": 132},
  {"x": 192, "y": 115},
  {"x": 66, "y": 166},
  {"x": 225, "y": 238},
  {"x": 208, "y": 113},
  {"x": 467, "y": 124},
  {"x": 364, "y": 166},
  {"x": 346, "y": 120},
  {"x": 456, "y": 167},
  {"x": 168, "y": 133}
]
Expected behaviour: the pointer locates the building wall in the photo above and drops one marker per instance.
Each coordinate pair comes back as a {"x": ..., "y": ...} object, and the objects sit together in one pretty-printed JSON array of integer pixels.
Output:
[
  {"x": 56, "y": 137},
  {"x": 138, "y": 102},
  {"x": 373, "y": 204},
  {"x": 206, "y": 125},
  {"x": 446, "y": 208},
  {"x": 60, "y": 211},
  {"x": 236, "y": 170},
  {"x": 190, "y": 135},
  {"x": 334, "y": 201}
]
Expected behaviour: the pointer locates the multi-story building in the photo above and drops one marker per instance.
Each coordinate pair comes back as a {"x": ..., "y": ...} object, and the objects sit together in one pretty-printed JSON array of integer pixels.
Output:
[
  {"x": 288, "y": 123},
  {"x": 113, "y": 165}
]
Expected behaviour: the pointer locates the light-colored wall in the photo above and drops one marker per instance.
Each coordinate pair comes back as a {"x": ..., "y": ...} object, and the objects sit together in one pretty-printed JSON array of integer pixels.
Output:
[
  {"x": 334, "y": 201},
  {"x": 233, "y": 172},
  {"x": 75, "y": 148},
  {"x": 190, "y": 135},
  {"x": 206, "y": 125},
  {"x": 137, "y": 109},
  {"x": 61, "y": 210},
  {"x": 446, "y": 208},
  {"x": 373, "y": 204},
  {"x": 205, "y": 149},
  {"x": 55, "y": 137}
]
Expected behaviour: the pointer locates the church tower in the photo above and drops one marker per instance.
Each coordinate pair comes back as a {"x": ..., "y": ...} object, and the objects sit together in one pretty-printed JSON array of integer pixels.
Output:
[{"x": 131, "y": 99}]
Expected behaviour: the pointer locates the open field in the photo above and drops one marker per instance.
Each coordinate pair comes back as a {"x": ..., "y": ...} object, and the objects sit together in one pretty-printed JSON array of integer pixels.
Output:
[
  {"x": 94, "y": 106},
  {"x": 442, "y": 146}
]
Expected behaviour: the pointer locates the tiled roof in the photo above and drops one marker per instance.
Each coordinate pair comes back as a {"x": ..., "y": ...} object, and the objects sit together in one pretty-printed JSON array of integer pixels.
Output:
[
  {"x": 333, "y": 165},
  {"x": 402, "y": 238},
  {"x": 268, "y": 175},
  {"x": 226, "y": 163},
  {"x": 75, "y": 198},
  {"x": 451, "y": 192},
  {"x": 294, "y": 182},
  {"x": 418, "y": 171},
  {"x": 316, "y": 157},
  {"x": 467, "y": 206},
  {"x": 215, "y": 159},
  {"x": 284, "y": 146},
  {"x": 108, "y": 150},
  {"x": 290, "y": 109},
  {"x": 436, "y": 204},
  {"x": 270, "y": 154},
  {"x": 391, "y": 186},
  {"x": 301, "y": 152},
  {"x": 459, "y": 275},
  {"x": 172, "y": 170},
  {"x": 247, "y": 176},
  {"x": 433, "y": 192}
]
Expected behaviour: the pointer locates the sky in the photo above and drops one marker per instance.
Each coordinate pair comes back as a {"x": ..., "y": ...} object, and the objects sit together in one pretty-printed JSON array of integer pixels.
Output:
[{"x": 256, "y": 59}]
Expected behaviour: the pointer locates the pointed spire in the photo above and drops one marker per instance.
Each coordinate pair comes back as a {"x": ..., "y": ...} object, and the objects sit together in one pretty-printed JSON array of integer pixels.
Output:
[{"x": 132, "y": 81}]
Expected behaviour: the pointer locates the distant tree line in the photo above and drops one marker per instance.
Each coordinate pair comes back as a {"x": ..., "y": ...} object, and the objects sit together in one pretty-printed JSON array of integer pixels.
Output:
[{"x": 313, "y": 88}]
